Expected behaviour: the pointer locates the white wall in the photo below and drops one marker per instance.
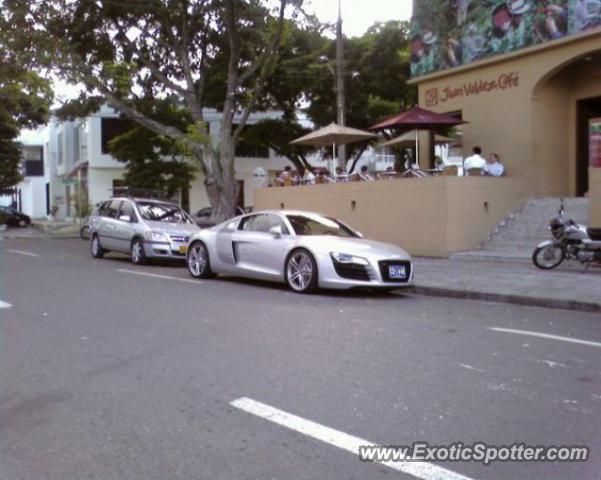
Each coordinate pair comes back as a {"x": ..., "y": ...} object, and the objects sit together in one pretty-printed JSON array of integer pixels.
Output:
[
  {"x": 33, "y": 196},
  {"x": 100, "y": 183}
]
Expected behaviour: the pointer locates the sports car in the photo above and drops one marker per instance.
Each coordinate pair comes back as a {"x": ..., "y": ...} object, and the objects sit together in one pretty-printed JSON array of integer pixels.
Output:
[{"x": 302, "y": 249}]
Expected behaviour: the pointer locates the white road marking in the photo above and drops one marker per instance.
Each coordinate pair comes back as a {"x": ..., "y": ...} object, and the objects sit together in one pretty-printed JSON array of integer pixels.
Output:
[
  {"x": 546, "y": 335},
  {"x": 21, "y": 252},
  {"x": 156, "y": 275},
  {"x": 344, "y": 441},
  {"x": 469, "y": 367},
  {"x": 4, "y": 304}
]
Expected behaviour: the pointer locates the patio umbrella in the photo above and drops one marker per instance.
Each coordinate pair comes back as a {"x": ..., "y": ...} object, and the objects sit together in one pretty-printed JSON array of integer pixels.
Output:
[
  {"x": 333, "y": 134},
  {"x": 418, "y": 119},
  {"x": 408, "y": 139}
]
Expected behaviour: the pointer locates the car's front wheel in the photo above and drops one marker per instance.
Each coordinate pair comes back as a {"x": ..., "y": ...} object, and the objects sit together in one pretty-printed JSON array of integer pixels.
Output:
[
  {"x": 96, "y": 249},
  {"x": 137, "y": 254},
  {"x": 301, "y": 271},
  {"x": 198, "y": 262},
  {"x": 22, "y": 223}
]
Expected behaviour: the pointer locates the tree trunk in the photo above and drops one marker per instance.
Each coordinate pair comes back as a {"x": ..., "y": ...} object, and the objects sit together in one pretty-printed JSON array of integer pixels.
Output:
[{"x": 220, "y": 179}]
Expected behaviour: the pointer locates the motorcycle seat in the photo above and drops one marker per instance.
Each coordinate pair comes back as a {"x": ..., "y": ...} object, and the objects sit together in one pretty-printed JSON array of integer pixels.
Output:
[{"x": 594, "y": 233}]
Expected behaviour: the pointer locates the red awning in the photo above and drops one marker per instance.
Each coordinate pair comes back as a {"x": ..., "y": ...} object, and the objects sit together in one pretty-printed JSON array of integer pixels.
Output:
[{"x": 419, "y": 119}]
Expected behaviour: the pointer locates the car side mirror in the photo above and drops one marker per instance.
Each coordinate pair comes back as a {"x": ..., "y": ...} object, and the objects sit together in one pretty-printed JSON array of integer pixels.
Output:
[
  {"x": 276, "y": 231},
  {"x": 125, "y": 218}
]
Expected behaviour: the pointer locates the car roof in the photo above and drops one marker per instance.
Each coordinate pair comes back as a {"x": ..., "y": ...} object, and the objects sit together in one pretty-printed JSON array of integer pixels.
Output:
[
  {"x": 287, "y": 212},
  {"x": 146, "y": 200}
]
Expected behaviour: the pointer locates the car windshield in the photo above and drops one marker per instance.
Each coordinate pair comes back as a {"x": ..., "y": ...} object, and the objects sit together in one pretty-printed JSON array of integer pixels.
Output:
[
  {"x": 318, "y": 225},
  {"x": 162, "y": 212}
]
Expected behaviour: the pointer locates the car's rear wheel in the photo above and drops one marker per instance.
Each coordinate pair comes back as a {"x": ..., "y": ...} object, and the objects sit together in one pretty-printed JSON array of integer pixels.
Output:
[
  {"x": 96, "y": 249},
  {"x": 197, "y": 260},
  {"x": 22, "y": 222},
  {"x": 301, "y": 271},
  {"x": 137, "y": 254}
]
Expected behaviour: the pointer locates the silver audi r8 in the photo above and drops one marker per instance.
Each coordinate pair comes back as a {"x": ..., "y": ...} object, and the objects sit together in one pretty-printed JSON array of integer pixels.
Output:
[{"x": 305, "y": 250}]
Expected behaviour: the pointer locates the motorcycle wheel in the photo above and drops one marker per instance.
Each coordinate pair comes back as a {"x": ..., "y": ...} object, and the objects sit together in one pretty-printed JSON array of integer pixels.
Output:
[{"x": 548, "y": 257}]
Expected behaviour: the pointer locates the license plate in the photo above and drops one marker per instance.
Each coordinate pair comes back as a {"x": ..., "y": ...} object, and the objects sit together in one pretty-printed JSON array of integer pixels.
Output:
[
  {"x": 397, "y": 272},
  {"x": 183, "y": 249}
]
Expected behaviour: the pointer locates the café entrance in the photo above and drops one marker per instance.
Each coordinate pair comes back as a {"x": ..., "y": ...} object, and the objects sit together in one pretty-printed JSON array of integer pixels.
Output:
[{"x": 586, "y": 110}]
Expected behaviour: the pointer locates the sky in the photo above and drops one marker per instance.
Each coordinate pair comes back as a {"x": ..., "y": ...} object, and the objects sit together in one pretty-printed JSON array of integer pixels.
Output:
[{"x": 359, "y": 15}]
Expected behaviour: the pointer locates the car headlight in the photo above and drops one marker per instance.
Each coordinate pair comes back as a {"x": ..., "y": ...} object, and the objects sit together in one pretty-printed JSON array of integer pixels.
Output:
[
  {"x": 156, "y": 236},
  {"x": 347, "y": 258}
]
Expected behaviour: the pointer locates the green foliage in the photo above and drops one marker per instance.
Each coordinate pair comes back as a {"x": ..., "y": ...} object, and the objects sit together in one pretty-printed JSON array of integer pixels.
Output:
[
  {"x": 155, "y": 161},
  {"x": 277, "y": 135},
  {"x": 24, "y": 101}
]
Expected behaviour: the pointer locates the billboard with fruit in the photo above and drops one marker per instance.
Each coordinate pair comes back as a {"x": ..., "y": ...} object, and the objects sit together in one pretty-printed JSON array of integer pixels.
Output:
[{"x": 450, "y": 33}]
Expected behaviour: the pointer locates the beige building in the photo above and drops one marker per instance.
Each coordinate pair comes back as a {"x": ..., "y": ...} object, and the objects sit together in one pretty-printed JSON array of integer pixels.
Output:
[{"x": 532, "y": 107}]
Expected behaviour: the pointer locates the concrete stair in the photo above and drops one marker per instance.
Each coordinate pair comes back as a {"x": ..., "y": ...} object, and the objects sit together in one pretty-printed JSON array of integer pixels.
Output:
[{"x": 515, "y": 238}]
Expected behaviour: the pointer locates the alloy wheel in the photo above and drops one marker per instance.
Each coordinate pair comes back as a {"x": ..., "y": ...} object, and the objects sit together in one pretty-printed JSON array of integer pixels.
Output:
[
  {"x": 197, "y": 260},
  {"x": 300, "y": 271}
]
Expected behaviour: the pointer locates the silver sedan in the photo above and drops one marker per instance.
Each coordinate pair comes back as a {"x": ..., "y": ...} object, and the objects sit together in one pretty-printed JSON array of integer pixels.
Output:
[{"x": 305, "y": 250}]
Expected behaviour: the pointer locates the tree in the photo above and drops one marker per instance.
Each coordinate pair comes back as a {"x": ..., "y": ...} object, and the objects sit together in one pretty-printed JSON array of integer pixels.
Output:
[
  {"x": 24, "y": 101},
  {"x": 154, "y": 161},
  {"x": 193, "y": 52},
  {"x": 378, "y": 69}
]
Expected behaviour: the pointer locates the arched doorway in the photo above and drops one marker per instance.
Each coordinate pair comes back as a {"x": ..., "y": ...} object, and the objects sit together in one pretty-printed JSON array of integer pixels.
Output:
[{"x": 564, "y": 101}]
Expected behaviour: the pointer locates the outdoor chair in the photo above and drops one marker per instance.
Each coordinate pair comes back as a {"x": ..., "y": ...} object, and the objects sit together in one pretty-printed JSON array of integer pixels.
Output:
[
  {"x": 451, "y": 171},
  {"x": 475, "y": 172}
]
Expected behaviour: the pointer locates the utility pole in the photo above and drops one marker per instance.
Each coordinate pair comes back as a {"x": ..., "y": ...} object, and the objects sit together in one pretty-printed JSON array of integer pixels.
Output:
[{"x": 340, "y": 94}]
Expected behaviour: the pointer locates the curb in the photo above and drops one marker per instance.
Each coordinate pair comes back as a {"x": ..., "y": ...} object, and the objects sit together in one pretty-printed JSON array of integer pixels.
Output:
[
  {"x": 524, "y": 300},
  {"x": 41, "y": 236}
]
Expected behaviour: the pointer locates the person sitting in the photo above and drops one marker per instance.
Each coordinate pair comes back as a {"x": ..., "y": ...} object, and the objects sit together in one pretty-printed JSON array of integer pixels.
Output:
[
  {"x": 286, "y": 178},
  {"x": 364, "y": 175},
  {"x": 494, "y": 168},
  {"x": 476, "y": 161},
  {"x": 308, "y": 177},
  {"x": 341, "y": 175},
  {"x": 389, "y": 174}
]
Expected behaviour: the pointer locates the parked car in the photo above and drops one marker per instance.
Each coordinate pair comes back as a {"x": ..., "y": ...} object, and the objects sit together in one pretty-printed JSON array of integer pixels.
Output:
[
  {"x": 203, "y": 219},
  {"x": 142, "y": 228},
  {"x": 305, "y": 250},
  {"x": 14, "y": 218}
]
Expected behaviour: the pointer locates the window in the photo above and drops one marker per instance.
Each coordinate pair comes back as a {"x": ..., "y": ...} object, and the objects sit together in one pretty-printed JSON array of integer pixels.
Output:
[
  {"x": 318, "y": 225},
  {"x": 128, "y": 209},
  {"x": 111, "y": 128},
  {"x": 262, "y": 223},
  {"x": 452, "y": 153},
  {"x": 162, "y": 212},
  {"x": 76, "y": 145},
  {"x": 60, "y": 158},
  {"x": 112, "y": 210},
  {"x": 102, "y": 208}
]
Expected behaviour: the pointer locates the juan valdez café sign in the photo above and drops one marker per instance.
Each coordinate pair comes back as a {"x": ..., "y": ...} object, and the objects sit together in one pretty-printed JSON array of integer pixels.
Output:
[{"x": 505, "y": 81}]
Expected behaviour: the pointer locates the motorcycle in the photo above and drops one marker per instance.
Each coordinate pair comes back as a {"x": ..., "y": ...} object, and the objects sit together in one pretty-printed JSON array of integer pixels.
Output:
[{"x": 570, "y": 242}]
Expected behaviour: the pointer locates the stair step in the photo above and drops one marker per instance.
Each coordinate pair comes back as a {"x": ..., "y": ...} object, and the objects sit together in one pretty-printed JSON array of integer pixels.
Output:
[{"x": 515, "y": 237}]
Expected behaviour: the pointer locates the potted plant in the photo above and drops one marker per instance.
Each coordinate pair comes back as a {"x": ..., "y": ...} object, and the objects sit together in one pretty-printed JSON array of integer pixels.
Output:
[{"x": 53, "y": 212}]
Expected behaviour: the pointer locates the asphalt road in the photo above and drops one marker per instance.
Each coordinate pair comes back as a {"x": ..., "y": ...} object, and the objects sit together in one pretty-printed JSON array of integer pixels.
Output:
[{"x": 110, "y": 371}]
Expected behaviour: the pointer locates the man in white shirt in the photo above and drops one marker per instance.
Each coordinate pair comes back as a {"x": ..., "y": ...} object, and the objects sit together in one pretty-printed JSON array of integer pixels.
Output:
[
  {"x": 493, "y": 167},
  {"x": 475, "y": 161}
]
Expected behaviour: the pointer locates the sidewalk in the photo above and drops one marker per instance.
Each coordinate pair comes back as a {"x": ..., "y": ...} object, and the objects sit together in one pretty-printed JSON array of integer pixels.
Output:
[
  {"x": 43, "y": 229},
  {"x": 521, "y": 283}
]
